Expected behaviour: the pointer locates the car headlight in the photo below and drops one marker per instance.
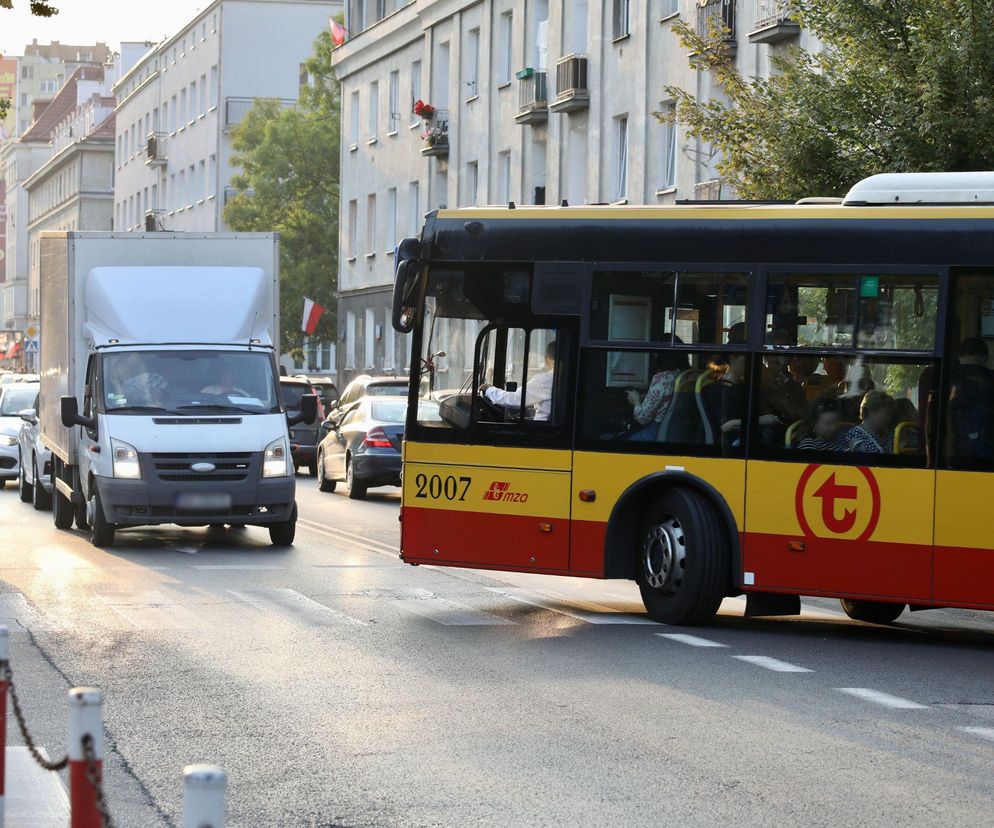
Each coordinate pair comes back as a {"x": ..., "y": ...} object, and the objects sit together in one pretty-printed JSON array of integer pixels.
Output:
[
  {"x": 7, "y": 440},
  {"x": 274, "y": 464},
  {"x": 126, "y": 463}
]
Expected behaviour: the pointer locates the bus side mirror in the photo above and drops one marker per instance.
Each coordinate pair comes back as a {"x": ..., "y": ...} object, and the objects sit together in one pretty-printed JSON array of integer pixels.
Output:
[{"x": 404, "y": 310}]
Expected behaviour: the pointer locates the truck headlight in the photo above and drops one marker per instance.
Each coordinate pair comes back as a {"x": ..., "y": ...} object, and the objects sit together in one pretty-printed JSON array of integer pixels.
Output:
[
  {"x": 7, "y": 440},
  {"x": 274, "y": 464},
  {"x": 126, "y": 463}
]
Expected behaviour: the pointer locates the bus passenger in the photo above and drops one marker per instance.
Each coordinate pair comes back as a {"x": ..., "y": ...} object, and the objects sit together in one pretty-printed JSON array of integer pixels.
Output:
[
  {"x": 780, "y": 394},
  {"x": 971, "y": 402},
  {"x": 802, "y": 369},
  {"x": 873, "y": 434},
  {"x": 824, "y": 424},
  {"x": 724, "y": 401},
  {"x": 649, "y": 412},
  {"x": 538, "y": 391}
]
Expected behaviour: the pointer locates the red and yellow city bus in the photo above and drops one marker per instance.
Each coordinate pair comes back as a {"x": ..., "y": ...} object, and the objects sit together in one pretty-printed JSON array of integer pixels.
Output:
[{"x": 775, "y": 400}]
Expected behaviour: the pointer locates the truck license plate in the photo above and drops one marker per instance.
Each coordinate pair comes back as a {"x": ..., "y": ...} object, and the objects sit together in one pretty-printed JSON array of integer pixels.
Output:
[{"x": 211, "y": 502}]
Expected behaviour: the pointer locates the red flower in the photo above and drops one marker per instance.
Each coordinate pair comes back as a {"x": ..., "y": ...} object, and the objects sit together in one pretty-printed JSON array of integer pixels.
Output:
[{"x": 424, "y": 110}]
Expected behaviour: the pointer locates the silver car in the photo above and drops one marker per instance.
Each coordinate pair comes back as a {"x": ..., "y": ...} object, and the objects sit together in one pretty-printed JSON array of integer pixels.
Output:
[
  {"x": 15, "y": 397},
  {"x": 35, "y": 480}
]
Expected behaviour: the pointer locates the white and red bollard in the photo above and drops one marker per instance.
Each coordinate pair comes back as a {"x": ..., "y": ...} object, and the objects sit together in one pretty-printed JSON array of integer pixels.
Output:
[
  {"x": 85, "y": 718},
  {"x": 4, "y": 656},
  {"x": 203, "y": 796}
]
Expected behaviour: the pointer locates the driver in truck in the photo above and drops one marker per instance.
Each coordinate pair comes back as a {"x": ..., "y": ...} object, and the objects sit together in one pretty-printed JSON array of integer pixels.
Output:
[
  {"x": 225, "y": 386},
  {"x": 538, "y": 391}
]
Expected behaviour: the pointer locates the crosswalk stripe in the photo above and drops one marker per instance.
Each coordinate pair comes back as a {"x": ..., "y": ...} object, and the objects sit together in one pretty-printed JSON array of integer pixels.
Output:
[
  {"x": 555, "y": 603},
  {"x": 884, "y": 699},
  {"x": 294, "y": 606},
  {"x": 982, "y": 732},
  {"x": 341, "y": 534},
  {"x": 774, "y": 664},
  {"x": 151, "y": 610},
  {"x": 691, "y": 640},
  {"x": 238, "y": 567},
  {"x": 440, "y": 610}
]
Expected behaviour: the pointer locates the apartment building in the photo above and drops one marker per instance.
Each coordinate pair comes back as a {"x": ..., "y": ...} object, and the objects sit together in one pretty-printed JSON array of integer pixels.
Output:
[
  {"x": 178, "y": 104},
  {"x": 531, "y": 101}
]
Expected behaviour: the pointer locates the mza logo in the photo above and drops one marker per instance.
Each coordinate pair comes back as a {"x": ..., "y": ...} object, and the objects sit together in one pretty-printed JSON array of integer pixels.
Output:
[
  {"x": 501, "y": 490},
  {"x": 840, "y": 501}
]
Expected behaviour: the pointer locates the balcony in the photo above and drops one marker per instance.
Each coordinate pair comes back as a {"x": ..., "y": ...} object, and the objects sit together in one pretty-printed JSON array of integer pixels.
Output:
[
  {"x": 155, "y": 149},
  {"x": 719, "y": 13},
  {"x": 230, "y": 192},
  {"x": 153, "y": 220},
  {"x": 436, "y": 134},
  {"x": 713, "y": 190},
  {"x": 235, "y": 109},
  {"x": 773, "y": 23},
  {"x": 533, "y": 97},
  {"x": 571, "y": 84}
]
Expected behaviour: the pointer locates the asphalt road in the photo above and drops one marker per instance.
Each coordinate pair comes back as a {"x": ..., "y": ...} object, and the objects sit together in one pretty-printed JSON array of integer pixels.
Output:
[{"x": 340, "y": 687}]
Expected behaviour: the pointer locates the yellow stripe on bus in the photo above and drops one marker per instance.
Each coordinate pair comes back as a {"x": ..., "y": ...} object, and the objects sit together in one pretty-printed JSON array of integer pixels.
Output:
[{"x": 499, "y": 456}]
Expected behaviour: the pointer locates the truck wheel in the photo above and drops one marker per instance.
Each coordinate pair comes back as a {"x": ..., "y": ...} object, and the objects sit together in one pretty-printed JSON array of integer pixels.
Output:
[
  {"x": 324, "y": 484},
  {"x": 683, "y": 558},
  {"x": 79, "y": 515},
  {"x": 101, "y": 532},
  {"x": 281, "y": 534},
  {"x": 24, "y": 489},
  {"x": 873, "y": 612},
  {"x": 40, "y": 499},
  {"x": 357, "y": 491},
  {"x": 62, "y": 510}
]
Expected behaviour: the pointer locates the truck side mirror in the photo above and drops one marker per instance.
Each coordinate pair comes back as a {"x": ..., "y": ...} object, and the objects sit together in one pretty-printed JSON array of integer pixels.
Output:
[
  {"x": 308, "y": 411},
  {"x": 70, "y": 414}
]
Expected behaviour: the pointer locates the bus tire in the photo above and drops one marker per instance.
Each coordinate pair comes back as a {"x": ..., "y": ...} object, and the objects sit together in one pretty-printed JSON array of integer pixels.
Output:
[
  {"x": 683, "y": 558},
  {"x": 873, "y": 612}
]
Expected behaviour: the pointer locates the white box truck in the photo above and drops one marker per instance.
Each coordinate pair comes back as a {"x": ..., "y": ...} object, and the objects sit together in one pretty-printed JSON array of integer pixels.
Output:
[{"x": 160, "y": 394}]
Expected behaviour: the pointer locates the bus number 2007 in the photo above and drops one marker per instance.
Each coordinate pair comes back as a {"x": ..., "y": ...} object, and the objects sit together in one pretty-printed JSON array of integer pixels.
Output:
[{"x": 437, "y": 487}]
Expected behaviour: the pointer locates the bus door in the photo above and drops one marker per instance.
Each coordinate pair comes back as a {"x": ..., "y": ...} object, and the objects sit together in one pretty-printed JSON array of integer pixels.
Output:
[
  {"x": 496, "y": 492},
  {"x": 964, "y": 543},
  {"x": 839, "y": 495}
]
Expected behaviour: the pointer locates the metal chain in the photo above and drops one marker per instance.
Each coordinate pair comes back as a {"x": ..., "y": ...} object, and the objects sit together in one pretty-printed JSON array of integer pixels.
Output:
[
  {"x": 93, "y": 777},
  {"x": 23, "y": 725}
]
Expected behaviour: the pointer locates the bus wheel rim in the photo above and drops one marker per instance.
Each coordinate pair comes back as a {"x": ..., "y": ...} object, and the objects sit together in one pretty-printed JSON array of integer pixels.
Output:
[{"x": 664, "y": 555}]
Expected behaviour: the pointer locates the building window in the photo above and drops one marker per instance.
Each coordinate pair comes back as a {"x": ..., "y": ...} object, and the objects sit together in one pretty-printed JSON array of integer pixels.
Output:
[
  {"x": 473, "y": 63},
  {"x": 622, "y": 18},
  {"x": 667, "y": 163},
  {"x": 353, "y": 228},
  {"x": 389, "y": 349},
  {"x": 391, "y": 239},
  {"x": 414, "y": 208},
  {"x": 374, "y": 109},
  {"x": 393, "y": 102},
  {"x": 369, "y": 339},
  {"x": 670, "y": 7},
  {"x": 504, "y": 48},
  {"x": 371, "y": 224},
  {"x": 354, "y": 122},
  {"x": 350, "y": 343},
  {"x": 182, "y": 108},
  {"x": 191, "y": 113},
  {"x": 621, "y": 158},
  {"x": 415, "y": 90},
  {"x": 202, "y": 180},
  {"x": 203, "y": 94},
  {"x": 504, "y": 177},
  {"x": 213, "y": 86},
  {"x": 472, "y": 183}
]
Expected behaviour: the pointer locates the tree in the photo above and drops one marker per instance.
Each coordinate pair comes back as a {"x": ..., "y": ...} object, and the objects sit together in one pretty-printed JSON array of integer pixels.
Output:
[
  {"x": 39, "y": 8},
  {"x": 899, "y": 86},
  {"x": 289, "y": 183}
]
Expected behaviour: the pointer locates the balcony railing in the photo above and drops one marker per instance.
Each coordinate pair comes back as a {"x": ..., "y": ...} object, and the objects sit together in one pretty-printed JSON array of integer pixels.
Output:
[
  {"x": 773, "y": 23},
  {"x": 571, "y": 84},
  {"x": 153, "y": 220},
  {"x": 235, "y": 109},
  {"x": 713, "y": 190},
  {"x": 722, "y": 12},
  {"x": 436, "y": 134},
  {"x": 533, "y": 97},
  {"x": 155, "y": 149}
]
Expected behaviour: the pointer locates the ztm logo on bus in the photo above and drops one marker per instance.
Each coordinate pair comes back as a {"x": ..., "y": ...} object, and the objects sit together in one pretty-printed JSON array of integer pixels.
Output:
[
  {"x": 501, "y": 490},
  {"x": 837, "y": 501}
]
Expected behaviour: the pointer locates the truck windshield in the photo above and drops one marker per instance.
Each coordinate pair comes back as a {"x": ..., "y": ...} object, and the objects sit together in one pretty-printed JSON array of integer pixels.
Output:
[{"x": 185, "y": 382}]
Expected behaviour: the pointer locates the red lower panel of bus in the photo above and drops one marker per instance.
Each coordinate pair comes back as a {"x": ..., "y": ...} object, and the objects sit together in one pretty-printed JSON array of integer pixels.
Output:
[{"x": 964, "y": 576}]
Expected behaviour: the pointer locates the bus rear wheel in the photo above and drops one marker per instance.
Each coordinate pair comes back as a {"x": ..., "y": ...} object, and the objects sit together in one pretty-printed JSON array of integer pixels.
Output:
[
  {"x": 873, "y": 612},
  {"x": 683, "y": 558}
]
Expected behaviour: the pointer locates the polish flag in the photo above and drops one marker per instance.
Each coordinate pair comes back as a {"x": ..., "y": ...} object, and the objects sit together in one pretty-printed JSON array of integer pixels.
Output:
[
  {"x": 312, "y": 315},
  {"x": 338, "y": 32}
]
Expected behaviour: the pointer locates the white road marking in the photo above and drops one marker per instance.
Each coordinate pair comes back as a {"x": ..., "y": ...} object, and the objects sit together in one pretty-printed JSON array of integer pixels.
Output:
[
  {"x": 239, "y": 567},
  {"x": 292, "y": 605},
  {"x": 34, "y": 797},
  {"x": 884, "y": 699},
  {"x": 562, "y": 605},
  {"x": 774, "y": 664},
  {"x": 692, "y": 640},
  {"x": 341, "y": 534},
  {"x": 151, "y": 610},
  {"x": 440, "y": 610},
  {"x": 982, "y": 732}
]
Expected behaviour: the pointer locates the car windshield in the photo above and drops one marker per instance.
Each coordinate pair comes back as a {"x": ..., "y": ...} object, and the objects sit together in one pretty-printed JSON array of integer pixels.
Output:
[
  {"x": 391, "y": 389},
  {"x": 16, "y": 397},
  {"x": 183, "y": 382},
  {"x": 393, "y": 411}
]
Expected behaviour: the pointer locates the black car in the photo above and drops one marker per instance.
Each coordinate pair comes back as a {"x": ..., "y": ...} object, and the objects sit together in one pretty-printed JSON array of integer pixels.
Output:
[
  {"x": 363, "y": 447},
  {"x": 303, "y": 438}
]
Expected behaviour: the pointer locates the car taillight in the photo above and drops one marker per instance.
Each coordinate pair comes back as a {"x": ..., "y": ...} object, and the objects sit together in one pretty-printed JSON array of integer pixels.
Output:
[{"x": 377, "y": 438}]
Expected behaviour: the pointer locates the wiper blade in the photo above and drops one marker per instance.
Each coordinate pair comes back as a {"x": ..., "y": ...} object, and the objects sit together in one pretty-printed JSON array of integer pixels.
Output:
[
  {"x": 118, "y": 409},
  {"x": 220, "y": 407}
]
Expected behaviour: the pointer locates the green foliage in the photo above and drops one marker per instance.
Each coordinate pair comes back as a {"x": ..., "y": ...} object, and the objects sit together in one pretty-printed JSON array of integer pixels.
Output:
[
  {"x": 289, "y": 183},
  {"x": 900, "y": 85},
  {"x": 39, "y": 8}
]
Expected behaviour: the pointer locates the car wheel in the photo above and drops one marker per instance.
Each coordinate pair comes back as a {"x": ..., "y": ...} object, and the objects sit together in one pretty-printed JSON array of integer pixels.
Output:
[
  {"x": 101, "y": 532},
  {"x": 683, "y": 558},
  {"x": 24, "y": 489},
  {"x": 3, "y": 484},
  {"x": 324, "y": 484},
  {"x": 873, "y": 612},
  {"x": 282, "y": 534},
  {"x": 357, "y": 491},
  {"x": 40, "y": 499},
  {"x": 312, "y": 468}
]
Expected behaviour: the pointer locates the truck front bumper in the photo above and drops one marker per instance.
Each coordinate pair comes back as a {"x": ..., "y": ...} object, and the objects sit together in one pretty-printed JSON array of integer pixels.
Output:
[{"x": 256, "y": 502}]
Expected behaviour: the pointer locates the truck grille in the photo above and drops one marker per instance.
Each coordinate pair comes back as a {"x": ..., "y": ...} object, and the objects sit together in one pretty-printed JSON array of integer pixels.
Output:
[{"x": 228, "y": 466}]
